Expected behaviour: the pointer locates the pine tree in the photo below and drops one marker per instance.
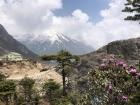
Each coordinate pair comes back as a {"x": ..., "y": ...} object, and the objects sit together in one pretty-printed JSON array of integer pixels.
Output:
[
  {"x": 27, "y": 85},
  {"x": 50, "y": 88},
  {"x": 7, "y": 91},
  {"x": 64, "y": 58},
  {"x": 133, "y": 6}
]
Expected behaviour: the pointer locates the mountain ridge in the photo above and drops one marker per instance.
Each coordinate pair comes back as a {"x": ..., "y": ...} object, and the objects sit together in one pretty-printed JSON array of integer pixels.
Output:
[
  {"x": 129, "y": 49},
  {"x": 9, "y": 44},
  {"x": 51, "y": 44}
]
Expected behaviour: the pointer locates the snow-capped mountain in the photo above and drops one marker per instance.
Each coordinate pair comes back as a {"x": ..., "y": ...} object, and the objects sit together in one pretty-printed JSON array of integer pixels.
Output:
[{"x": 51, "y": 44}]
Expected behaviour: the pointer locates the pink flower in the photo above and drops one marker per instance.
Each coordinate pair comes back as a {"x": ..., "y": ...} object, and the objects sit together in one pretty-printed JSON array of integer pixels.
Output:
[
  {"x": 120, "y": 63},
  {"x": 124, "y": 98},
  {"x": 125, "y": 66},
  {"x": 111, "y": 60},
  {"x": 109, "y": 88},
  {"x": 138, "y": 74},
  {"x": 112, "y": 56},
  {"x": 102, "y": 66},
  {"x": 133, "y": 71}
]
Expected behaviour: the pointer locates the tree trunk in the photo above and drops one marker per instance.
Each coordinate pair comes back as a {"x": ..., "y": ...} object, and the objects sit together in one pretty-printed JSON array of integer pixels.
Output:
[
  {"x": 139, "y": 63},
  {"x": 64, "y": 82},
  {"x": 6, "y": 100},
  {"x": 15, "y": 99}
]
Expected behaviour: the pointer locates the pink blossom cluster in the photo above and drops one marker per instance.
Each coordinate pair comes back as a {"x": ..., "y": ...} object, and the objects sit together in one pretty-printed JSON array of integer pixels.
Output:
[
  {"x": 124, "y": 98},
  {"x": 118, "y": 63}
]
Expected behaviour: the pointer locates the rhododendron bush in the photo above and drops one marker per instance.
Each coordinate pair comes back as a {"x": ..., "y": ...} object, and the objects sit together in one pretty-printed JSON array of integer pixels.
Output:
[{"x": 114, "y": 83}]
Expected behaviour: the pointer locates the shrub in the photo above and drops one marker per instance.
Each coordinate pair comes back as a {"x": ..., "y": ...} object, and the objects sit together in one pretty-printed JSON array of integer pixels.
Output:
[
  {"x": 7, "y": 90},
  {"x": 114, "y": 82},
  {"x": 2, "y": 77},
  {"x": 50, "y": 87},
  {"x": 27, "y": 88}
]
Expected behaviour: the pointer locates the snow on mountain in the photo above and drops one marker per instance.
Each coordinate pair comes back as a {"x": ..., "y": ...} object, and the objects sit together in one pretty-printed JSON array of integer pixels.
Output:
[{"x": 51, "y": 44}]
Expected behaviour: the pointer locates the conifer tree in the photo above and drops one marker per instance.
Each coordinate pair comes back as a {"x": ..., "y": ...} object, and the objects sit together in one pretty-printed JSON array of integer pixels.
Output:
[
  {"x": 64, "y": 58},
  {"x": 133, "y": 7},
  {"x": 7, "y": 91},
  {"x": 27, "y": 85},
  {"x": 50, "y": 88}
]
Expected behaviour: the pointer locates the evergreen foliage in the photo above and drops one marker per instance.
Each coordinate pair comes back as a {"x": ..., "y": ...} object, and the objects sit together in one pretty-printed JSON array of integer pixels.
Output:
[
  {"x": 7, "y": 91},
  {"x": 50, "y": 87},
  {"x": 64, "y": 59},
  {"x": 133, "y": 7},
  {"x": 54, "y": 95},
  {"x": 27, "y": 87},
  {"x": 2, "y": 77}
]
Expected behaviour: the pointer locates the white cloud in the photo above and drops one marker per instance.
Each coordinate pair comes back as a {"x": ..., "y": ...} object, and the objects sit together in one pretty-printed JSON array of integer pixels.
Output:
[
  {"x": 37, "y": 16},
  {"x": 113, "y": 22},
  {"x": 28, "y": 15},
  {"x": 78, "y": 14}
]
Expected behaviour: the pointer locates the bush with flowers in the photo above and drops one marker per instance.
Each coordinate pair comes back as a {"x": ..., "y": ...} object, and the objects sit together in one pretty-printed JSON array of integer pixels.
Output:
[{"x": 114, "y": 83}]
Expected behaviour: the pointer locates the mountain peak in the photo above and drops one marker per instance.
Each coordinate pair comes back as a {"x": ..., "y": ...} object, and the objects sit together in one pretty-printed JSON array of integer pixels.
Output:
[
  {"x": 52, "y": 43},
  {"x": 1, "y": 26},
  {"x": 44, "y": 37},
  {"x": 2, "y": 30},
  {"x": 56, "y": 37}
]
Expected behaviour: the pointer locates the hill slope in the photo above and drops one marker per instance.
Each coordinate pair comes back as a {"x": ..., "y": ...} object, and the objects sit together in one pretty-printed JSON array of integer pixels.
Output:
[
  {"x": 129, "y": 49},
  {"x": 9, "y": 44}
]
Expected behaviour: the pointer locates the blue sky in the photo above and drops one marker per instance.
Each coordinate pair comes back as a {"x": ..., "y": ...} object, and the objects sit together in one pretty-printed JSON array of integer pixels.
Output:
[
  {"x": 94, "y": 22},
  {"x": 91, "y": 7}
]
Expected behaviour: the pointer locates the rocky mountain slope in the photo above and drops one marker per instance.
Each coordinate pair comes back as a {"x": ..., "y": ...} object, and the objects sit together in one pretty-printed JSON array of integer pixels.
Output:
[
  {"x": 51, "y": 44},
  {"x": 9, "y": 44},
  {"x": 129, "y": 49}
]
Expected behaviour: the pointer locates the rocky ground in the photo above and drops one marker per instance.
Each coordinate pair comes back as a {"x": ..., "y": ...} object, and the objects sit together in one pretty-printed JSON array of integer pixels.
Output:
[{"x": 37, "y": 71}]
